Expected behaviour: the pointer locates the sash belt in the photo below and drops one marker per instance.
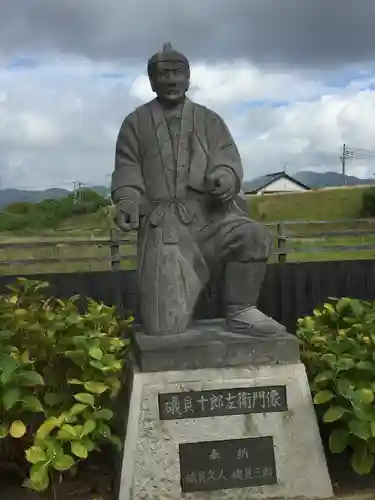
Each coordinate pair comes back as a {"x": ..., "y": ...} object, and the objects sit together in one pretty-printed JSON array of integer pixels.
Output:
[{"x": 157, "y": 215}]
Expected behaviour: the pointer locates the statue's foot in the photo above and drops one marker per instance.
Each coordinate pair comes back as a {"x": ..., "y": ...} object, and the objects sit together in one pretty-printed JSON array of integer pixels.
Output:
[{"x": 252, "y": 322}]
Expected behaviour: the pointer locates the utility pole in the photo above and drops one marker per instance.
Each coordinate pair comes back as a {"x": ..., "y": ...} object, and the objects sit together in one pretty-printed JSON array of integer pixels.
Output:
[
  {"x": 343, "y": 163},
  {"x": 349, "y": 154},
  {"x": 77, "y": 191},
  {"x": 353, "y": 154}
]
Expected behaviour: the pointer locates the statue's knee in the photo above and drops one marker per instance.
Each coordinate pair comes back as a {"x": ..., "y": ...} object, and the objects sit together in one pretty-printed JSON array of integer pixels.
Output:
[
  {"x": 258, "y": 240},
  {"x": 163, "y": 319}
]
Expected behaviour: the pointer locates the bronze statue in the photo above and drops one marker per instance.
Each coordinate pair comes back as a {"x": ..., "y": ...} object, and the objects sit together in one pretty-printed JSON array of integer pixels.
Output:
[{"x": 176, "y": 180}]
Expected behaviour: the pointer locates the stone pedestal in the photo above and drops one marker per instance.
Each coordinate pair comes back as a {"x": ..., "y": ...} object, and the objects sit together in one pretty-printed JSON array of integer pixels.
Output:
[{"x": 219, "y": 416}]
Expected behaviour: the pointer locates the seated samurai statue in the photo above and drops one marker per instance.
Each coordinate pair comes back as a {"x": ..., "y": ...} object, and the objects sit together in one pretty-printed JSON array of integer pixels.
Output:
[{"x": 177, "y": 180}]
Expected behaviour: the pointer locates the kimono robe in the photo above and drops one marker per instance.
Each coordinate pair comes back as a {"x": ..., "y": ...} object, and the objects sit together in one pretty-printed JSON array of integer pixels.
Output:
[{"x": 182, "y": 235}]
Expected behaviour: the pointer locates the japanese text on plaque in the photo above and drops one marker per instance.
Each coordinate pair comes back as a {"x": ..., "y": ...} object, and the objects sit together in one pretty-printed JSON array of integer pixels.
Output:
[
  {"x": 227, "y": 464},
  {"x": 222, "y": 402}
]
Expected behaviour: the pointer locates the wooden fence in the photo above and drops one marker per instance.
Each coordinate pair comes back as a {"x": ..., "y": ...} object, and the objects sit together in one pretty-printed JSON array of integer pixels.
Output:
[
  {"x": 288, "y": 238},
  {"x": 290, "y": 290},
  {"x": 314, "y": 232},
  {"x": 113, "y": 243}
]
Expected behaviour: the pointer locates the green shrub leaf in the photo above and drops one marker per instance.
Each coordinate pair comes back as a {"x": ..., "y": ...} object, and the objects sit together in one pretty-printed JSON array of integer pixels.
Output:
[
  {"x": 79, "y": 449},
  {"x": 30, "y": 378},
  {"x": 63, "y": 463},
  {"x": 53, "y": 398},
  {"x": 48, "y": 426},
  {"x": 32, "y": 403},
  {"x": 67, "y": 432},
  {"x": 4, "y": 431},
  {"x": 344, "y": 387},
  {"x": 362, "y": 459},
  {"x": 117, "y": 442},
  {"x": 85, "y": 398},
  {"x": 7, "y": 367},
  {"x": 49, "y": 350},
  {"x": 366, "y": 366},
  {"x": 363, "y": 396},
  {"x": 371, "y": 445},
  {"x": 11, "y": 397},
  {"x": 88, "y": 427},
  {"x": 88, "y": 444},
  {"x": 325, "y": 376},
  {"x": 35, "y": 454},
  {"x": 103, "y": 414},
  {"x": 96, "y": 353},
  {"x": 360, "y": 429},
  {"x": 339, "y": 440},
  {"x": 322, "y": 397},
  {"x": 330, "y": 359},
  {"x": 333, "y": 414},
  {"x": 75, "y": 381},
  {"x": 96, "y": 387},
  {"x": 39, "y": 479},
  {"x": 345, "y": 364},
  {"x": 364, "y": 412},
  {"x": 338, "y": 350},
  {"x": 17, "y": 429},
  {"x": 77, "y": 409}
]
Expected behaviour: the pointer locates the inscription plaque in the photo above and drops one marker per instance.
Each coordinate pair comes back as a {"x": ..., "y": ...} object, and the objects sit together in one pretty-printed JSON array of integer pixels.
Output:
[
  {"x": 237, "y": 401},
  {"x": 233, "y": 463}
]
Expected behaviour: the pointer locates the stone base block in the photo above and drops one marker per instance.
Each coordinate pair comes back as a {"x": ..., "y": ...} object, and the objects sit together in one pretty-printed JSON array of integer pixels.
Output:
[
  {"x": 207, "y": 344},
  {"x": 162, "y": 431}
]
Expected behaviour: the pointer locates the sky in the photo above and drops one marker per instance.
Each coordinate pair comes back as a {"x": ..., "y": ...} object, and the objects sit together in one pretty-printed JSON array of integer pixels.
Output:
[{"x": 293, "y": 79}]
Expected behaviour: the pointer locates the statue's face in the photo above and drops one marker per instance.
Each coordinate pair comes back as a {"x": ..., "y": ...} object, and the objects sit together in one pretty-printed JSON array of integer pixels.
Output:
[{"x": 170, "y": 81}]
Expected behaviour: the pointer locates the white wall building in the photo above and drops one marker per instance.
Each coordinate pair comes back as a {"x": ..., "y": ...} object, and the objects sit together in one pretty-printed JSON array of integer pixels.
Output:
[{"x": 279, "y": 182}]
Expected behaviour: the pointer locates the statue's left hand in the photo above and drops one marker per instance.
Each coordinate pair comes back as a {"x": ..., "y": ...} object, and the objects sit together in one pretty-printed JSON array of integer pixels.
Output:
[{"x": 221, "y": 184}]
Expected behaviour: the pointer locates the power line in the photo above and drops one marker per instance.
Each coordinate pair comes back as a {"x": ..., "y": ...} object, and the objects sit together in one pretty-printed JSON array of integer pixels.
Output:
[
  {"x": 56, "y": 186},
  {"x": 353, "y": 154},
  {"x": 38, "y": 187}
]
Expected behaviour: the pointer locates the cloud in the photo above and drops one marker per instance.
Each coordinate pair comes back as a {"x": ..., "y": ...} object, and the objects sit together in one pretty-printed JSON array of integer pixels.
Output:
[
  {"x": 303, "y": 33},
  {"x": 293, "y": 79},
  {"x": 239, "y": 82},
  {"x": 310, "y": 134},
  {"x": 305, "y": 130},
  {"x": 59, "y": 118},
  {"x": 58, "y": 123}
]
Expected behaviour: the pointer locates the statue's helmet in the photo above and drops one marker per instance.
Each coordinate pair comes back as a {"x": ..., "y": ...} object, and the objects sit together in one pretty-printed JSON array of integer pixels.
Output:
[{"x": 167, "y": 54}]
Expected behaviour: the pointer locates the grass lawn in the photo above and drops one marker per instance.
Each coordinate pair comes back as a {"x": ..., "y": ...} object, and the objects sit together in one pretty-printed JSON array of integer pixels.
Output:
[{"x": 323, "y": 204}]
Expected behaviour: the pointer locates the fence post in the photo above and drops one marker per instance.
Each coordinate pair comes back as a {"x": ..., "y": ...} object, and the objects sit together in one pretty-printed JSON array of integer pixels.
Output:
[
  {"x": 116, "y": 269},
  {"x": 281, "y": 242}
]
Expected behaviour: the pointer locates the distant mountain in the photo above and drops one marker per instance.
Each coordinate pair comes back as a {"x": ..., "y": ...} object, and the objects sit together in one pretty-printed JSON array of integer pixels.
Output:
[
  {"x": 312, "y": 179},
  {"x": 9, "y": 196},
  {"x": 329, "y": 179}
]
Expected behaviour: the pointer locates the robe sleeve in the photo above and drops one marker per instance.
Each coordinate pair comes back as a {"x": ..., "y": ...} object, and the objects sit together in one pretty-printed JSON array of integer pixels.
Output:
[
  {"x": 222, "y": 149},
  {"x": 127, "y": 177}
]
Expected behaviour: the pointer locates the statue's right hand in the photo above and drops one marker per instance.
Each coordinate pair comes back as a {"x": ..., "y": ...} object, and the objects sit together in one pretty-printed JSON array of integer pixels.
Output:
[{"x": 127, "y": 215}]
